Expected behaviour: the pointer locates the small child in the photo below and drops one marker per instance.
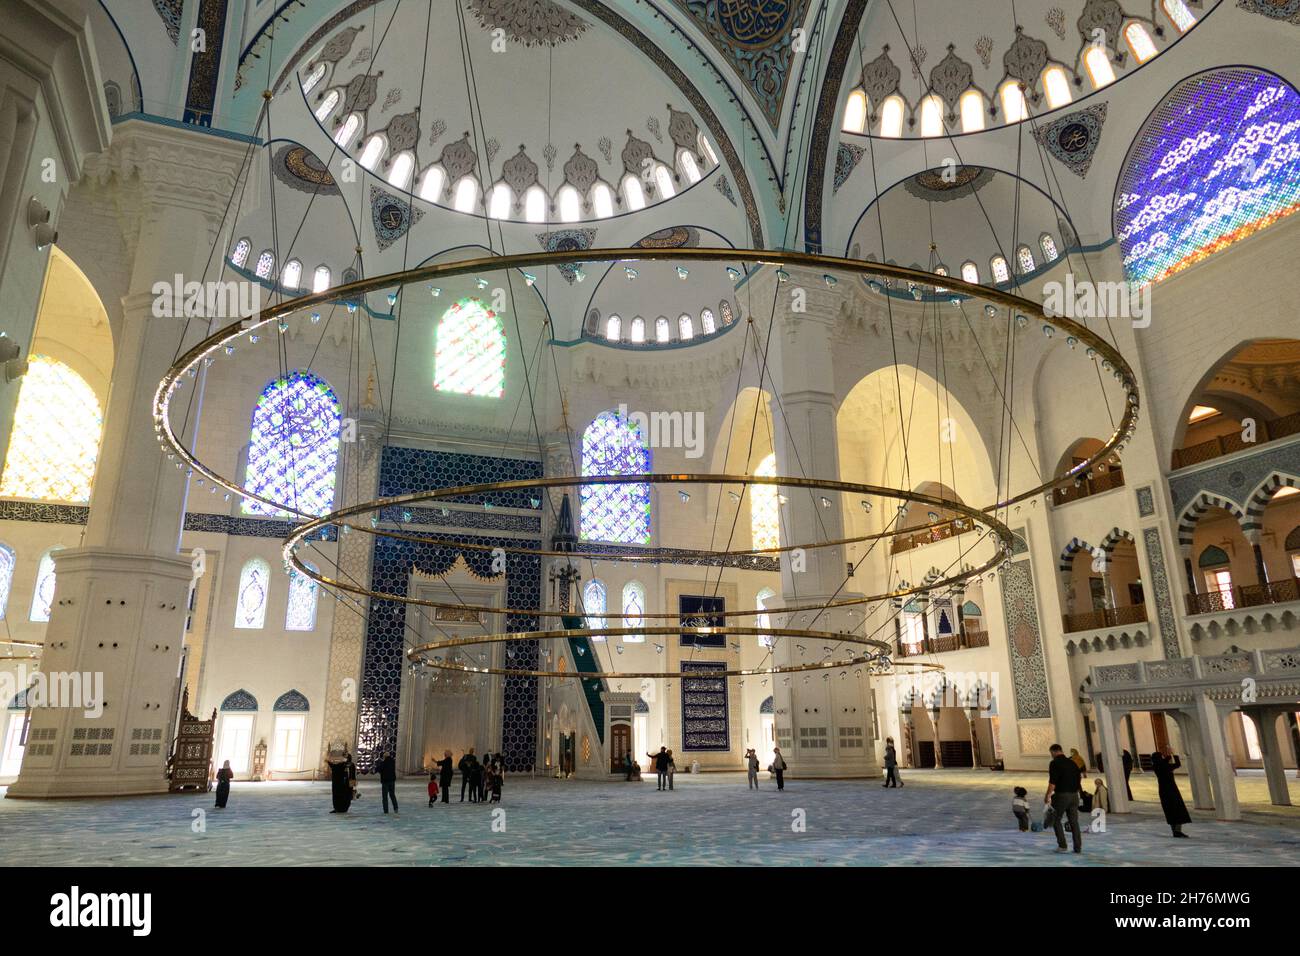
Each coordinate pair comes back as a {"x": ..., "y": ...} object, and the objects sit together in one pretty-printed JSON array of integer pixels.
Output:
[
  {"x": 1020, "y": 807},
  {"x": 433, "y": 788}
]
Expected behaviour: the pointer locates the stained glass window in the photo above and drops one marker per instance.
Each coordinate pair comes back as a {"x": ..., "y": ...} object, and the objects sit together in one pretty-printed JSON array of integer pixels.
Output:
[
  {"x": 765, "y": 508},
  {"x": 1057, "y": 87},
  {"x": 265, "y": 264},
  {"x": 1048, "y": 245},
  {"x": 602, "y": 200},
  {"x": 633, "y": 610},
  {"x": 685, "y": 327},
  {"x": 707, "y": 324},
  {"x": 972, "y": 111},
  {"x": 7, "y": 561},
  {"x": 724, "y": 309},
  {"x": 43, "y": 594},
  {"x": 320, "y": 279},
  {"x": 301, "y": 612},
  {"x": 1217, "y": 161},
  {"x": 240, "y": 254},
  {"x": 470, "y": 351},
  {"x": 250, "y": 602},
  {"x": 594, "y": 601},
  {"x": 1025, "y": 260},
  {"x": 1139, "y": 41},
  {"x": 1179, "y": 14},
  {"x": 292, "y": 274},
  {"x": 764, "y": 620},
  {"x": 293, "y": 446},
  {"x": 662, "y": 333},
  {"x": 970, "y": 273},
  {"x": 617, "y": 512},
  {"x": 638, "y": 330},
  {"x": 55, "y": 439},
  {"x": 998, "y": 266}
]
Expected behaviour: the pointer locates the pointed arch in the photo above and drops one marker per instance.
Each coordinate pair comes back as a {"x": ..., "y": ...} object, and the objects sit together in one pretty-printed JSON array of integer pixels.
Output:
[
  {"x": 292, "y": 701},
  {"x": 293, "y": 446},
  {"x": 1196, "y": 509},
  {"x": 470, "y": 351},
  {"x": 250, "y": 599},
  {"x": 765, "y": 508},
  {"x": 240, "y": 700},
  {"x": 617, "y": 513},
  {"x": 1259, "y": 499},
  {"x": 54, "y": 444},
  {"x": 595, "y": 600},
  {"x": 1075, "y": 545},
  {"x": 300, "y": 612}
]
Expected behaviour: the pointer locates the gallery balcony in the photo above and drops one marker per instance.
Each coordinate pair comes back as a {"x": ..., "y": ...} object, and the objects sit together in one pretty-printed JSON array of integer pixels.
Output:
[
  {"x": 1105, "y": 618},
  {"x": 968, "y": 638},
  {"x": 1268, "y": 430},
  {"x": 1087, "y": 487},
  {"x": 1244, "y": 596},
  {"x": 940, "y": 532}
]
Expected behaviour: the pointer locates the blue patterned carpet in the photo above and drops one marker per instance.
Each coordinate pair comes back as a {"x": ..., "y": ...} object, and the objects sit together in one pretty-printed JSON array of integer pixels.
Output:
[{"x": 945, "y": 818}]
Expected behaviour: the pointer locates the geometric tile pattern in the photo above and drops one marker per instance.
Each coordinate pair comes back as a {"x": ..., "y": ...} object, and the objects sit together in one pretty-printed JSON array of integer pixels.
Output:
[
  {"x": 1164, "y": 601},
  {"x": 1028, "y": 669}
]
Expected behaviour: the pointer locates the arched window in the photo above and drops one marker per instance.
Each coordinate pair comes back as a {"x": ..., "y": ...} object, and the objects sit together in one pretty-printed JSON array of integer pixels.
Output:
[
  {"x": 685, "y": 327},
  {"x": 570, "y": 204},
  {"x": 292, "y": 274},
  {"x": 931, "y": 116},
  {"x": 1048, "y": 245},
  {"x": 855, "y": 112},
  {"x": 891, "y": 117},
  {"x": 765, "y": 508},
  {"x": 615, "y": 512},
  {"x": 707, "y": 323},
  {"x": 913, "y": 626},
  {"x": 1097, "y": 60},
  {"x": 499, "y": 201},
  {"x": 594, "y": 601},
  {"x": 1178, "y": 13},
  {"x": 431, "y": 184},
  {"x": 998, "y": 266},
  {"x": 293, "y": 446},
  {"x": 633, "y": 610},
  {"x": 1013, "y": 102},
  {"x": 7, "y": 561},
  {"x": 1025, "y": 260},
  {"x": 470, "y": 351},
  {"x": 1057, "y": 86},
  {"x": 764, "y": 619},
  {"x": 250, "y": 600},
  {"x": 664, "y": 182},
  {"x": 1139, "y": 41},
  {"x": 466, "y": 194},
  {"x": 403, "y": 167},
  {"x": 688, "y": 165},
  {"x": 663, "y": 335},
  {"x": 311, "y": 79},
  {"x": 43, "y": 593},
  {"x": 320, "y": 280},
  {"x": 972, "y": 111},
  {"x": 239, "y": 256},
  {"x": 535, "y": 204},
  {"x": 54, "y": 443},
  {"x": 602, "y": 201},
  {"x": 970, "y": 272},
  {"x": 265, "y": 264},
  {"x": 373, "y": 150},
  {"x": 707, "y": 149},
  {"x": 633, "y": 194},
  {"x": 613, "y": 328},
  {"x": 637, "y": 334},
  {"x": 348, "y": 131},
  {"x": 300, "y": 615},
  {"x": 327, "y": 105}
]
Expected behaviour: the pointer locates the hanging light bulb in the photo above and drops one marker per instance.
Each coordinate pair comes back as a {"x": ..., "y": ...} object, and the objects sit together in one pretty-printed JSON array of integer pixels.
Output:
[
  {"x": 578, "y": 274},
  {"x": 252, "y": 338},
  {"x": 830, "y": 281},
  {"x": 991, "y": 311},
  {"x": 630, "y": 273},
  {"x": 435, "y": 291},
  {"x": 684, "y": 496},
  {"x": 733, "y": 273},
  {"x": 734, "y": 496},
  {"x": 682, "y": 273},
  {"x": 315, "y": 318},
  {"x": 782, "y": 275},
  {"x": 529, "y": 279},
  {"x": 481, "y": 282},
  {"x": 866, "y": 505}
]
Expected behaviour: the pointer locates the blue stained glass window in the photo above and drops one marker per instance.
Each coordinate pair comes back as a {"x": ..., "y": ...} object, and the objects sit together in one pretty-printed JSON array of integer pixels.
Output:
[
  {"x": 293, "y": 448},
  {"x": 617, "y": 512},
  {"x": 7, "y": 560},
  {"x": 1218, "y": 160},
  {"x": 300, "y": 614},
  {"x": 250, "y": 602},
  {"x": 595, "y": 601}
]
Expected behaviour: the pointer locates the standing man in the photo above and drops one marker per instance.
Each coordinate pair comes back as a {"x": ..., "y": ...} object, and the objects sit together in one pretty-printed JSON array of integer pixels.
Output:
[
  {"x": 466, "y": 767},
  {"x": 388, "y": 780},
  {"x": 661, "y": 768},
  {"x": 445, "y": 769},
  {"x": 751, "y": 763},
  {"x": 891, "y": 764},
  {"x": 1063, "y": 795},
  {"x": 778, "y": 767}
]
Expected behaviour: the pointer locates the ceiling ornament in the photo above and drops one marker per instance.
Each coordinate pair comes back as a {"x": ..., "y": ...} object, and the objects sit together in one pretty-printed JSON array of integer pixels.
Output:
[
  {"x": 403, "y": 132},
  {"x": 519, "y": 172},
  {"x": 635, "y": 153},
  {"x": 567, "y": 240},
  {"x": 1025, "y": 61},
  {"x": 390, "y": 216},
  {"x": 581, "y": 171},
  {"x": 1287, "y": 10},
  {"x": 683, "y": 131},
  {"x": 652, "y": 124},
  {"x": 1056, "y": 20},
  {"x": 674, "y": 237},
  {"x": 944, "y": 184},
  {"x": 530, "y": 22},
  {"x": 1073, "y": 139},
  {"x": 299, "y": 168},
  {"x": 391, "y": 99},
  {"x": 436, "y": 129},
  {"x": 951, "y": 77},
  {"x": 984, "y": 50},
  {"x": 548, "y": 154},
  {"x": 606, "y": 147},
  {"x": 880, "y": 78},
  {"x": 756, "y": 38},
  {"x": 458, "y": 159},
  {"x": 723, "y": 186},
  {"x": 847, "y": 158},
  {"x": 361, "y": 93},
  {"x": 493, "y": 147},
  {"x": 1104, "y": 15},
  {"x": 169, "y": 11}
]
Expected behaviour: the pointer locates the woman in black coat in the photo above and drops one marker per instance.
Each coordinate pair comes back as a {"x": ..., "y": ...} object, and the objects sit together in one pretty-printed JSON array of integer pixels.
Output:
[
  {"x": 224, "y": 776},
  {"x": 1163, "y": 765}
]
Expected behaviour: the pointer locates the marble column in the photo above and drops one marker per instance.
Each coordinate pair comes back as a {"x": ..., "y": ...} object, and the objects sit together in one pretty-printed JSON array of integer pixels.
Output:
[
  {"x": 1214, "y": 745},
  {"x": 119, "y": 605},
  {"x": 1265, "y": 719},
  {"x": 1197, "y": 767},
  {"x": 1112, "y": 757}
]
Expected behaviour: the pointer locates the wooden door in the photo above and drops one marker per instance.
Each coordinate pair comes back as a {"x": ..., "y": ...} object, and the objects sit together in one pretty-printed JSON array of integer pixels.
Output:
[{"x": 620, "y": 745}]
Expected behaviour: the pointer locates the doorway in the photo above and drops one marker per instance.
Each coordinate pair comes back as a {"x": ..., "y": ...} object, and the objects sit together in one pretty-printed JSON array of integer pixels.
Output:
[
  {"x": 620, "y": 745},
  {"x": 236, "y": 739},
  {"x": 568, "y": 753}
]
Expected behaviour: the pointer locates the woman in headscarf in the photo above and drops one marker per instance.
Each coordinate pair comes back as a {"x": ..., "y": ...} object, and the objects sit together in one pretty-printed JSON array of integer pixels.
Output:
[
  {"x": 1163, "y": 764},
  {"x": 340, "y": 782},
  {"x": 224, "y": 776}
]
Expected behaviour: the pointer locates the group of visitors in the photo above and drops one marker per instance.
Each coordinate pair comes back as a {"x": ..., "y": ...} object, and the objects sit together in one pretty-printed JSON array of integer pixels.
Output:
[
  {"x": 479, "y": 777},
  {"x": 1066, "y": 796},
  {"x": 665, "y": 767}
]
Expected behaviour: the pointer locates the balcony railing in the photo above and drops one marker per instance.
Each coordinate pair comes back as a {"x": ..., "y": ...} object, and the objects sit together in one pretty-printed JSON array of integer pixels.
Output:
[
  {"x": 1114, "y": 478},
  {"x": 969, "y": 637},
  {"x": 1244, "y": 595},
  {"x": 1106, "y": 617},
  {"x": 940, "y": 532},
  {"x": 1267, "y": 430}
]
